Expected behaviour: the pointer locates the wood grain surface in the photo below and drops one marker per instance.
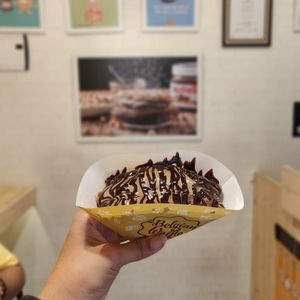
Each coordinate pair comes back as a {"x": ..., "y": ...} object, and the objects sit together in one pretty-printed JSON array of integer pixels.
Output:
[
  {"x": 274, "y": 203},
  {"x": 14, "y": 201}
]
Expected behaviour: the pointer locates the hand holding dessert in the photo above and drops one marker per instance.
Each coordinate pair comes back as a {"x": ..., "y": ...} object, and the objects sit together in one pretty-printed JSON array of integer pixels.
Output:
[
  {"x": 91, "y": 258},
  {"x": 169, "y": 197}
]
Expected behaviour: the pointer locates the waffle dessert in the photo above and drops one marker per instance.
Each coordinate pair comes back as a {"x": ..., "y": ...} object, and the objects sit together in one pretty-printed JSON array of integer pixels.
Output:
[
  {"x": 144, "y": 109},
  {"x": 168, "y": 181}
]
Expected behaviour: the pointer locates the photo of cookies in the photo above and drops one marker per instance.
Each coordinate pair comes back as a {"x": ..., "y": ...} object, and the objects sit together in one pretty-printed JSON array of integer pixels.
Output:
[{"x": 138, "y": 98}]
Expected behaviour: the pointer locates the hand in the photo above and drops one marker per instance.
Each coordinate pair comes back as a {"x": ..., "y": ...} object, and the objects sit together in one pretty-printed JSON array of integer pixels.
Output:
[{"x": 91, "y": 258}]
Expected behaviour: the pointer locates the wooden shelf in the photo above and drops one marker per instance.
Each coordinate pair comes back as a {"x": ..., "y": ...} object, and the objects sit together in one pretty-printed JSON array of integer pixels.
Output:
[
  {"x": 266, "y": 211},
  {"x": 274, "y": 203},
  {"x": 14, "y": 201}
]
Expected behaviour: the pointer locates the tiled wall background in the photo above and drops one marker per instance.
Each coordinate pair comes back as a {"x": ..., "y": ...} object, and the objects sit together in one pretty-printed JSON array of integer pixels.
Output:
[{"x": 248, "y": 95}]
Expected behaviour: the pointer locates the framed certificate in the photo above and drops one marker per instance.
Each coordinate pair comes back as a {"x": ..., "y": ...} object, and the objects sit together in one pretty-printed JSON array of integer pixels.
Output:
[
  {"x": 297, "y": 15},
  {"x": 247, "y": 22}
]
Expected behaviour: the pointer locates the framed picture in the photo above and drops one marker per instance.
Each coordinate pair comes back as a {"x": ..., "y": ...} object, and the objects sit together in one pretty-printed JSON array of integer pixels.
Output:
[
  {"x": 297, "y": 15},
  {"x": 247, "y": 22},
  {"x": 296, "y": 121},
  {"x": 22, "y": 16},
  {"x": 138, "y": 98},
  {"x": 170, "y": 15},
  {"x": 94, "y": 16}
]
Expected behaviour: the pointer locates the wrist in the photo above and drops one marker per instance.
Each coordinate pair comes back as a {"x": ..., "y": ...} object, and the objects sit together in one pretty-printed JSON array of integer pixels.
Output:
[
  {"x": 50, "y": 292},
  {"x": 60, "y": 289},
  {"x": 56, "y": 288}
]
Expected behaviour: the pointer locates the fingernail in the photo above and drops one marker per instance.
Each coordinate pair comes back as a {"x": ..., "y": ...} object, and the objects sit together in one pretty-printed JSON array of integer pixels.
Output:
[{"x": 157, "y": 242}]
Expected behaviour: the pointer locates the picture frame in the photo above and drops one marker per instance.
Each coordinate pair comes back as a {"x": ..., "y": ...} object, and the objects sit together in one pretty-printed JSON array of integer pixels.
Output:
[
  {"x": 22, "y": 16},
  {"x": 247, "y": 23},
  {"x": 296, "y": 120},
  {"x": 171, "y": 16},
  {"x": 97, "y": 122},
  {"x": 94, "y": 16},
  {"x": 297, "y": 16}
]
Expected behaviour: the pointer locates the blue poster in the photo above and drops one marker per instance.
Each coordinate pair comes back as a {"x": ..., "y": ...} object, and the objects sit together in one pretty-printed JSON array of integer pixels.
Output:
[{"x": 170, "y": 13}]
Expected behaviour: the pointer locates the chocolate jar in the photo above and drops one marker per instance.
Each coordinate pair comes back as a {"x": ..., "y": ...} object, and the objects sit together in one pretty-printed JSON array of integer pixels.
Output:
[{"x": 183, "y": 85}]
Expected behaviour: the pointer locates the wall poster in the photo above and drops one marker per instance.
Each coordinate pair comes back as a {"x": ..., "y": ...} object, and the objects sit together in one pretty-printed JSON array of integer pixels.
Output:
[
  {"x": 297, "y": 15},
  {"x": 22, "y": 16},
  {"x": 91, "y": 16},
  {"x": 170, "y": 15},
  {"x": 138, "y": 98}
]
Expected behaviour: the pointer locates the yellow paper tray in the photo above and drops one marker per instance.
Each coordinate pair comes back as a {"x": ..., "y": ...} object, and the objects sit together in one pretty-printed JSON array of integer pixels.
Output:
[{"x": 134, "y": 221}]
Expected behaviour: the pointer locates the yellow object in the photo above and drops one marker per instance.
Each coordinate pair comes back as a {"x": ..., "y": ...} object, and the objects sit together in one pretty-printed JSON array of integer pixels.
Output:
[
  {"x": 134, "y": 221},
  {"x": 138, "y": 220},
  {"x": 7, "y": 259}
]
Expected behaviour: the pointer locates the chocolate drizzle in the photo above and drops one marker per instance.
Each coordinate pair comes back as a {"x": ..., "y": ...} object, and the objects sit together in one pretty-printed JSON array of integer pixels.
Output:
[{"x": 167, "y": 181}]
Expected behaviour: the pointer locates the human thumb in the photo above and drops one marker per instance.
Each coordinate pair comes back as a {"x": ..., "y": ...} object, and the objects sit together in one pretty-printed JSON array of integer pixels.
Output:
[{"x": 139, "y": 249}]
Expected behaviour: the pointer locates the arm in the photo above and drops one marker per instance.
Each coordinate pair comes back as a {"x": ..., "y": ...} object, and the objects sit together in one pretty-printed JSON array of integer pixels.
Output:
[{"x": 91, "y": 258}]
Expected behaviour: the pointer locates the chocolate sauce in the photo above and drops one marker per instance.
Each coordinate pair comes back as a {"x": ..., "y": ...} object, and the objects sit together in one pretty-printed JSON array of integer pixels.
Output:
[{"x": 167, "y": 181}]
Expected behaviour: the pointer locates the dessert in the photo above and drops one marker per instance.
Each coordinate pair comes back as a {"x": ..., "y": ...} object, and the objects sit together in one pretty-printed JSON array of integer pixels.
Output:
[
  {"x": 144, "y": 109},
  {"x": 168, "y": 181}
]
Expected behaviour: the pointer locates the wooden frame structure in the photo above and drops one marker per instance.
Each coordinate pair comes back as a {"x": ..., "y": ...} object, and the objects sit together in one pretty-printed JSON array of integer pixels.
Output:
[{"x": 275, "y": 268}]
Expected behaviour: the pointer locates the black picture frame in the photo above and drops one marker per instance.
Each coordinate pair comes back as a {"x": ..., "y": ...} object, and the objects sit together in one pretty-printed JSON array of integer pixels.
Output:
[
  {"x": 264, "y": 42},
  {"x": 296, "y": 120}
]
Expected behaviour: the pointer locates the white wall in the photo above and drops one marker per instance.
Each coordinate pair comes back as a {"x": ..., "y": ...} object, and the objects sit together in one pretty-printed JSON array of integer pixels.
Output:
[{"x": 248, "y": 96}]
